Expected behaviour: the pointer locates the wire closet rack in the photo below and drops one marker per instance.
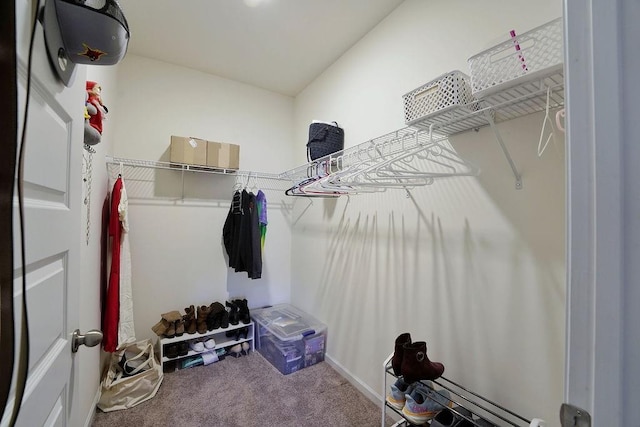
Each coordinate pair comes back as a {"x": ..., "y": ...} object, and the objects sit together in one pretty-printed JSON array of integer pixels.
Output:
[
  {"x": 157, "y": 180},
  {"x": 421, "y": 153}
]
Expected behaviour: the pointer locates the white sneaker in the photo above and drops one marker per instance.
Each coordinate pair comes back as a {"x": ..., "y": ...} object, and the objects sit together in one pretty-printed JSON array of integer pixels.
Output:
[
  {"x": 246, "y": 347},
  {"x": 196, "y": 346},
  {"x": 210, "y": 343}
]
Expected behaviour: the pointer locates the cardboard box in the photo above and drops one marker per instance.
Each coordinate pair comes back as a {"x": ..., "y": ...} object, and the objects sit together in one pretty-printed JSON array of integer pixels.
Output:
[
  {"x": 223, "y": 155},
  {"x": 191, "y": 151}
]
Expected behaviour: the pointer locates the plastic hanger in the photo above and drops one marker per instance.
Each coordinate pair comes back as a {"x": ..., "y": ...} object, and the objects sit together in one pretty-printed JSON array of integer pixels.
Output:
[{"x": 546, "y": 120}]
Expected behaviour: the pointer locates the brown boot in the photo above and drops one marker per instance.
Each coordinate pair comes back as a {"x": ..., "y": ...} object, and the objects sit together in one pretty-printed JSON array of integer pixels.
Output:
[
  {"x": 190, "y": 320},
  {"x": 203, "y": 312},
  {"x": 172, "y": 316},
  {"x": 171, "y": 330},
  {"x": 160, "y": 328},
  {"x": 417, "y": 366},
  {"x": 396, "y": 360},
  {"x": 179, "y": 324}
]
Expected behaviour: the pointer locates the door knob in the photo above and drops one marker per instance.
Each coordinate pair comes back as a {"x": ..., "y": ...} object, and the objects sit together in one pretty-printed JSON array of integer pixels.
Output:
[{"x": 90, "y": 339}]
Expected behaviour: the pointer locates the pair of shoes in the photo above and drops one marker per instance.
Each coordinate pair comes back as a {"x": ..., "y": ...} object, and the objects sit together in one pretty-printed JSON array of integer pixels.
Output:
[
  {"x": 174, "y": 350},
  {"x": 243, "y": 311},
  {"x": 170, "y": 325},
  {"x": 456, "y": 417},
  {"x": 410, "y": 360},
  {"x": 424, "y": 403},
  {"x": 196, "y": 346},
  {"x": 238, "y": 334}
]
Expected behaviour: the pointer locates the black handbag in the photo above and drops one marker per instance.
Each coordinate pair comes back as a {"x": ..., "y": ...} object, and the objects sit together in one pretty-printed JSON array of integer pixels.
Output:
[{"x": 324, "y": 139}]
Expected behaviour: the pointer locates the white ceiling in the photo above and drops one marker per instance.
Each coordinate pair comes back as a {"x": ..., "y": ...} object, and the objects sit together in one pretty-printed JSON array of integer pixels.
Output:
[{"x": 279, "y": 45}]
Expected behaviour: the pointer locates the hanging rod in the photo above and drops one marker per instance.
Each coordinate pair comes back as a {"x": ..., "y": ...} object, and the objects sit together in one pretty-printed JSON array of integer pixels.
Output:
[
  {"x": 381, "y": 148},
  {"x": 191, "y": 168}
]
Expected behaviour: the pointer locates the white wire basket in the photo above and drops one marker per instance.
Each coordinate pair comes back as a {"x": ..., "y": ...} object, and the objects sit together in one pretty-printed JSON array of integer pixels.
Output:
[
  {"x": 536, "y": 54},
  {"x": 450, "y": 90}
]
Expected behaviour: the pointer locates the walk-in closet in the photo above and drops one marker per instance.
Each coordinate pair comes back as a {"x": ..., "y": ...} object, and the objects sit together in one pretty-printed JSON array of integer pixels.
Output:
[{"x": 476, "y": 231}]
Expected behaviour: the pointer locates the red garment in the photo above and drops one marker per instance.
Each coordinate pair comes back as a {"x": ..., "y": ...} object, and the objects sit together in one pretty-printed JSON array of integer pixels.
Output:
[
  {"x": 96, "y": 120},
  {"x": 112, "y": 309}
]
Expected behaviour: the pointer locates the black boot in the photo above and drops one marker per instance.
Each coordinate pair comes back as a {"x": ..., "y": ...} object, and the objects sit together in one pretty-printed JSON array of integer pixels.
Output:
[
  {"x": 224, "y": 319},
  {"x": 243, "y": 311},
  {"x": 233, "y": 313},
  {"x": 398, "y": 353},
  {"x": 214, "y": 318}
]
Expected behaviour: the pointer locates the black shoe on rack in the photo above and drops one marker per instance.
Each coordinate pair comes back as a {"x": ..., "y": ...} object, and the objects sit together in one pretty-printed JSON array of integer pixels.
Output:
[
  {"x": 183, "y": 348},
  {"x": 233, "y": 313},
  {"x": 171, "y": 351},
  {"x": 243, "y": 311},
  {"x": 224, "y": 319},
  {"x": 214, "y": 317}
]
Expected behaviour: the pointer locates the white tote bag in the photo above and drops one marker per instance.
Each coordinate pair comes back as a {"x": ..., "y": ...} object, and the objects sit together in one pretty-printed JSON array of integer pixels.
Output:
[{"x": 132, "y": 380}]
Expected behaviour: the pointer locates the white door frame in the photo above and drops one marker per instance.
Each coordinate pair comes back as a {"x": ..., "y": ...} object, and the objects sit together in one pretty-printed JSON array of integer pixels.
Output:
[{"x": 603, "y": 339}]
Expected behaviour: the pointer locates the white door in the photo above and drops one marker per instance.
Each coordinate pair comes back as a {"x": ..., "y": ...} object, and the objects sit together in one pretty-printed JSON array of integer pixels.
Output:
[{"x": 52, "y": 196}]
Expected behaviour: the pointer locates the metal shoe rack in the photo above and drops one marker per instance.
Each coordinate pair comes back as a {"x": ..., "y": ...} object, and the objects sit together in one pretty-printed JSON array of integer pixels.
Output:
[{"x": 479, "y": 406}]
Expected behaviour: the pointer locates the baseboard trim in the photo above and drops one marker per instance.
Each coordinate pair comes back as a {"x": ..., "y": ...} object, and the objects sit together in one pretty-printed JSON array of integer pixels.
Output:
[
  {"x": 92, "y": 412},
  {"x": 355, "y": 381}
]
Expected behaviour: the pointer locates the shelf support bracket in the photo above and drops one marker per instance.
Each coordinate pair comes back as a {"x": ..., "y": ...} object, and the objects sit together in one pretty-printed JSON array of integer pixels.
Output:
[{"x": 516, "y": 174}]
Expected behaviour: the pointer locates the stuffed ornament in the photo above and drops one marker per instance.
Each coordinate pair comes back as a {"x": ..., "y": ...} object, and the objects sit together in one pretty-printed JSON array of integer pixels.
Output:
[{"x": 95, "y": 112}]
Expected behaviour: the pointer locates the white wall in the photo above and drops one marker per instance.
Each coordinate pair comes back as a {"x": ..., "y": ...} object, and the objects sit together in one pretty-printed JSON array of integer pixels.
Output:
[
  {"x": 470, "y": 265},
  {"x": 176, "y": 247},
  {"x": 88, "y": 359}
]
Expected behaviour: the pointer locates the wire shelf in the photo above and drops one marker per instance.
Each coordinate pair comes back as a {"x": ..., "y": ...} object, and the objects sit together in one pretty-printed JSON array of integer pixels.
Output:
[{"x": 119, "y": 161}]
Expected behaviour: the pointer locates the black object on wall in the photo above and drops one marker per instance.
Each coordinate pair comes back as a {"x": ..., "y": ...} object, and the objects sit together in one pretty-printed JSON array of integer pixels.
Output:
[{"x": 9, "y": 141}]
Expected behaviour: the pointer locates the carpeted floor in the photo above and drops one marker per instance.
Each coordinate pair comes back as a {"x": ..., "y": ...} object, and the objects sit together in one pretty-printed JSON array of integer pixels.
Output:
[{"x": 247, "y": 392}]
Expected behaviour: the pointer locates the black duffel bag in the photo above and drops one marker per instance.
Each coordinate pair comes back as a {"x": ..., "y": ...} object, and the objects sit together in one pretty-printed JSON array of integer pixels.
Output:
[{"x": 324, "y": 139}]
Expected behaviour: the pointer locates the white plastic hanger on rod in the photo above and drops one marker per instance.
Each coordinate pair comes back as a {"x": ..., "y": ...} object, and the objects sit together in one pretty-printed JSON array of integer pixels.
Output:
[{"x": 545, "y": 121}]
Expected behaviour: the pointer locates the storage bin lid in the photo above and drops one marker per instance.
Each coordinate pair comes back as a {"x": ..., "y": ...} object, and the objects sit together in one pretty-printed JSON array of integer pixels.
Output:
[{"x": 287, "y": 322}]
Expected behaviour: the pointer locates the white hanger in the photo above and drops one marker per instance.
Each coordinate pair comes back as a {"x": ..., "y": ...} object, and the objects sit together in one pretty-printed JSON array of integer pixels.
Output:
[{"x": 546, "y": 120}]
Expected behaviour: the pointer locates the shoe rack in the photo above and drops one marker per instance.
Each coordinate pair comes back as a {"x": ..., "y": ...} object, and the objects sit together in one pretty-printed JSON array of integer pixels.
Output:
[
  {"x": 468, "y": 407},
  {"x": 218, "y": 335}
]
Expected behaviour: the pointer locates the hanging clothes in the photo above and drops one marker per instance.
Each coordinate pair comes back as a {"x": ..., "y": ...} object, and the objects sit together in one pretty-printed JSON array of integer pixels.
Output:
[
  {"x": 231, "y": 229},
  {"x": 261, "y": 199},
  {"x": 241, "y": 235},
  {"x": 126, "y": 329},
  {"x": 112, "y": 306}
]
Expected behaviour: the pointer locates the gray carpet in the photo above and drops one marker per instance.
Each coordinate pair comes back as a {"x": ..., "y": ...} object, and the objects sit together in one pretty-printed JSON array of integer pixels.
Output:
[{"x": 246, "y": 392}]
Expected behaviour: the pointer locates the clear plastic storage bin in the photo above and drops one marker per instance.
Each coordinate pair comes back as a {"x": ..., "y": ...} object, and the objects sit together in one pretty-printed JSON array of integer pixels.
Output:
[{"x": 289, "y": 338}]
